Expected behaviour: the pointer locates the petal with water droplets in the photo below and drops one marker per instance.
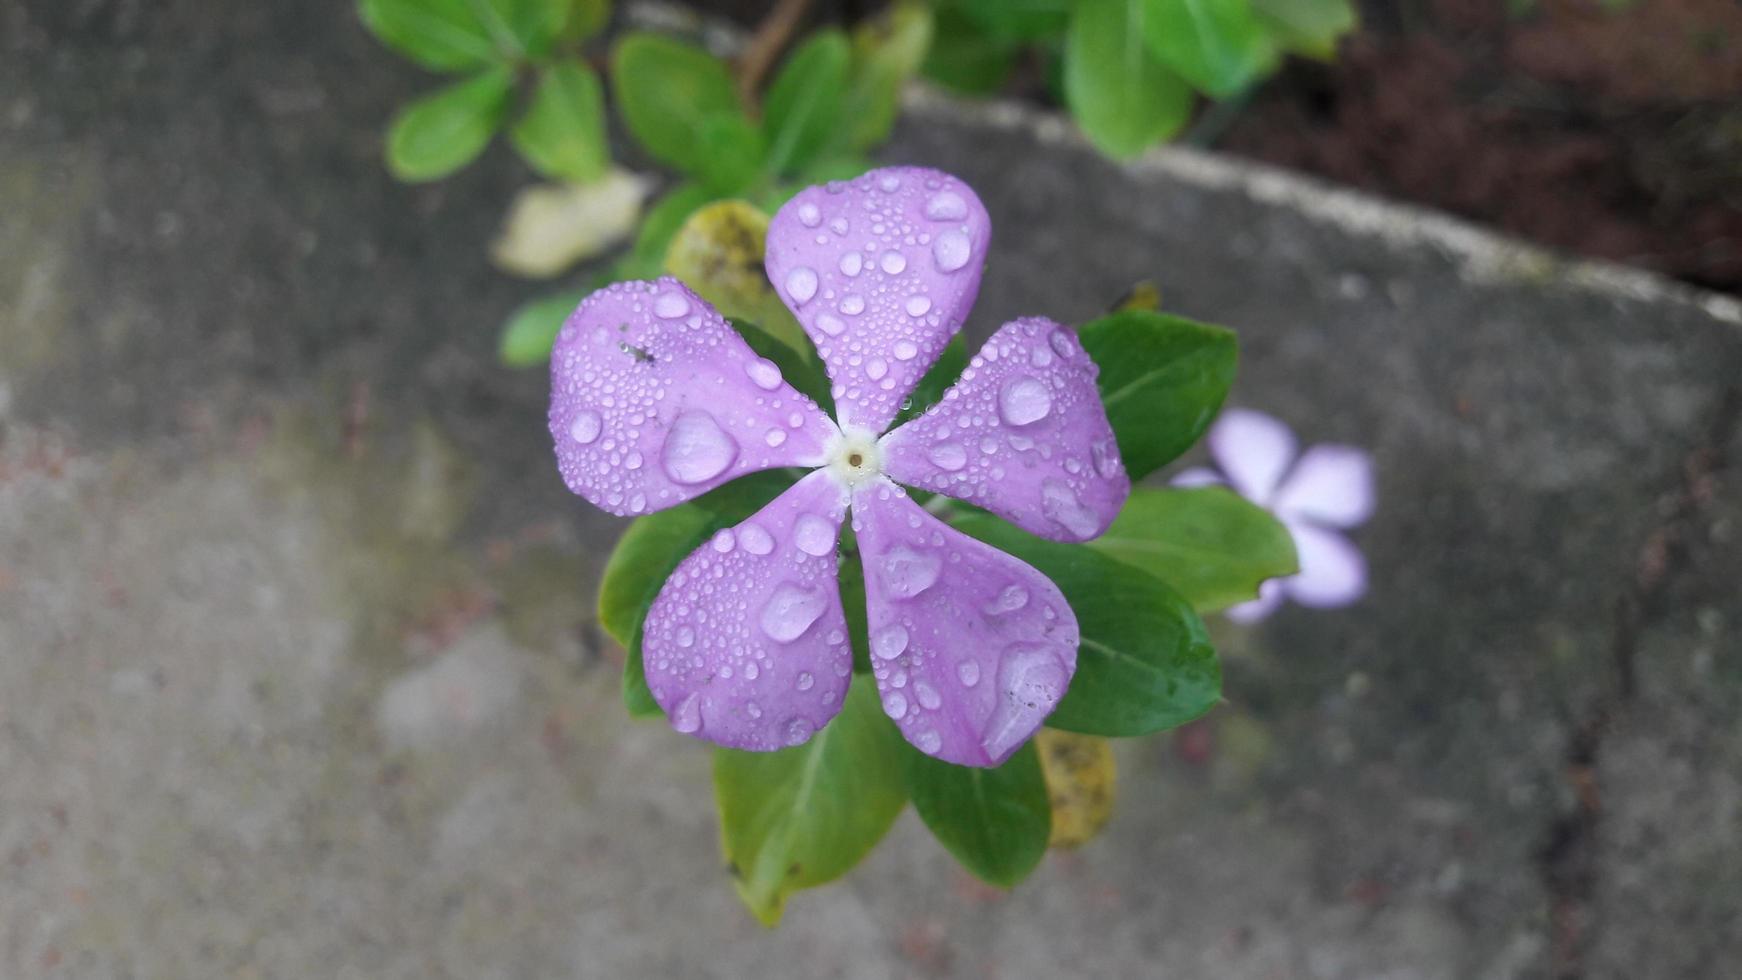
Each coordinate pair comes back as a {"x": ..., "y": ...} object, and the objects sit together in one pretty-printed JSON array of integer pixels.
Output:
[
  {"x": 655, "y": 399},
  {"x": 746, "y": 645},
  {"x": 888, "y": 261},
  {"x": 1022, "y": 434},
  {"x": 971, "y": 647}
]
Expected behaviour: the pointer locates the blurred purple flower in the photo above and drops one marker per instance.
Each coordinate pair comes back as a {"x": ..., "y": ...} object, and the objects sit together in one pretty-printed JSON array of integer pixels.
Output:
[
  {"x": 1327, "y": 489},
  {"x": 656, "y": 400}
]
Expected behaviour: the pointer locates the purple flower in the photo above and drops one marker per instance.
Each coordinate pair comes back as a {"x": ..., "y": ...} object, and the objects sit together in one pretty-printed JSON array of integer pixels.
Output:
[
  {"x": 1327, "y": 489},
  {"x": 655, "y": 400}
]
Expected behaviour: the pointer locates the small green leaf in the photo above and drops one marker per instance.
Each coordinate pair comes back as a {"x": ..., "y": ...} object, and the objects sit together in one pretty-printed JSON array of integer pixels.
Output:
[
  {"x": 803, "y": 105},
  {"x": 530, "y": 332},
  {"x": 1123, "y": 97},
  {"x": 1163, "y": 378},
  {"x": 667, "y": 90},
  {"x": 964, "y": 57},
  {"x": 1308, "y": 27},
  {"x": 562, "y": 134},
  {"x": 440, "y": 133},
  {"x": 443, "y": 35},
  {"x": 1017, "y": 20},
  {"x": 995, "y": 821},
  {"x": 1217, "y": 45},
  {"x": 1145, "y": 663},
  {"x": 1212, "y": 546},
  {"x": 586, "y": 18},
  {"x": 528, "y": 27},
  {"x": 937, "y": 379},
  {"x": 732, "y": 153},
  {"x": 803, "y": 816},
  {"x": 888, "y": 49},
  {"x": 653, "y": 546}
]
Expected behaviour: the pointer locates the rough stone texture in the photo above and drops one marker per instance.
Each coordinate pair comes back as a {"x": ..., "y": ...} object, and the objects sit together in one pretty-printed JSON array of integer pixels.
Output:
[{"x": 295, "y": 678}]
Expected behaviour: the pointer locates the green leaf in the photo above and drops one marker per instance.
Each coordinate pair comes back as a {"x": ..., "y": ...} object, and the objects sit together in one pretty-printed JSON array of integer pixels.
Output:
[
  {"x": 803, "y": 816},
  {"x": 995, "y": 821},
  {"x": 964, "y": 57},
  {"x": 888, "y": 49},
  {"x": 1308, "y": 27},
  {"x": 586, "y": 18},
  {"x": 1218, "y": 45},
  {"x": 666, "y": 91},
  {"x": 443, "y": 35},
  {"x": 527, "y": 27},
  {"x": 1163, "y": 378},
  {"x": 1017, "y": 20},
  {"x": 733, "y": 154},
  {"x": 440, "y": 133},
  {"x": 1123, "y": 97},
  {"x": 1212, "y": 546},
  {"x": 646, "y": 258},
  {"x": 936, "y": 380},
  {"x": 529, "y": 333},
  {"x": 1145, "y": 664},
  {"x": 653, "y": 546},
  {"x": 562, "y": 134},
  {"x": 803, "y": 105}
]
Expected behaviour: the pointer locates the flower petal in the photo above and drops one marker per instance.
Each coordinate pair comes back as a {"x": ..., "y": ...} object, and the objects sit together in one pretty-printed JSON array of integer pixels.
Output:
[
  {"x": 746, "y": 645},
  {"x": 1254, "y": 449},
  {"x": 971, "y": 648},
  {"x": 881, "y": 271},
  {"x": 1197, "y": 476},
  {"x": 655, "y": 399},
  {"x": 1332, "y": 571},
  {"x": 1332, "y": 484},
  {"x": 1022, "y": 434},
  {"x": 1269, "y": 599}
]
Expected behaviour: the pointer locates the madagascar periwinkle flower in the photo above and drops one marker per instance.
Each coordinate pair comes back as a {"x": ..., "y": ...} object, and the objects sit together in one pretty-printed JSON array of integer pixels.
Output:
[
  {"x": 1316, "y": 495},
  {"x": 656, "y": 399}
]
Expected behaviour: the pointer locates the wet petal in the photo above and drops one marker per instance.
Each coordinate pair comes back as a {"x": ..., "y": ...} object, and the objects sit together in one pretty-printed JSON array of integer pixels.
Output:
[
  {"x": 1022, "y": 434},
  {"x": 1332, "y": 571},
  {"x": 1254, "y": 449},
  {"x": 746, "y": 645},
  {"x": 1332, "y": 484},
  {"x": 970, "y": 647},
  {"x": 655, "y": 399},
  {"x": 881, "y": 271},
  {"x": 1269, "y": 600},
  {"x": 1197, "y": 476}
]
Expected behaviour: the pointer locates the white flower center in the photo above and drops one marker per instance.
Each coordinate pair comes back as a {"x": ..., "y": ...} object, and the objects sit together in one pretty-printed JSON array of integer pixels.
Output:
[{"x": 855, "y": 459}]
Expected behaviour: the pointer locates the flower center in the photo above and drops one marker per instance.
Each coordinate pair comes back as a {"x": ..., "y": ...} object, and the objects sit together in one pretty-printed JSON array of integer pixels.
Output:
[{"x": 855, "y": 459}]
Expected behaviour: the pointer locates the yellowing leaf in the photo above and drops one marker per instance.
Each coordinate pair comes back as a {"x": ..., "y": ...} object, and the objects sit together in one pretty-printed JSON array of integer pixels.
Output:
[
  {"x": 718, "y": 252},
  {"x": 1080, "y": 780},
  {"x": 552, "y": 226}
]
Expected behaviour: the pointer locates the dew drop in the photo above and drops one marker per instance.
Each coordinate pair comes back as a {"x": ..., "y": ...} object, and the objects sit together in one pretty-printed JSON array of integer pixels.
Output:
[
  {"x": 685, "y": 636},
  {"x": 799, "y": 731},
  {"x": 895, "y": 704},
  {"x": 806, "y": 680},
  {"x": 755, "y": 539},
  {"x": 1105, "y": 453},
  {"x": 1024, "y": 400},
  {"x": 801, "y": 284},
  {"x": 1040, "y": 356},
  {"x": 688, "y": 716},
  {"x": 790, "y": 611},
  {"x": 876, "y": 368},
  {"x": 907, "y": 573},
  {"x": 586, "y": 426},
  {"x": 893, "y": 262},
  {"x": 928, "y": 741},
  {"x": 918, "y": 306},
  {"x": 952, "y": 250},
  {"x": 968, "y": 672},
  {"x": 1030, "y": 682},
  {"x": 1009, "y": 599},
  {"x": 696, "y": 449},
  {"x": 775, "y": 437},
  {"x": 890, "y": 641},
  {"x": 852, "y": 264},
  {"x": 949, "y": 456},
  {"x": 906, "y": 350},
  {"x": 670, "y": 306},
  {"x": 830, "y": 325},
  {"x": 809, "y": 215},
  {"x": 946, "y": 206},
  {"x": 926, "y": 695},
  {"x": 852, "y": 304},
  {"x": 814, "y": 535},
  {"x": 890, "y": 183},
  {"x": 1061, "y": 344},
  {"x": 764, "y": 372},
  {"x": 724, "y": 540},
  {"x": 1059, "y": 502}
]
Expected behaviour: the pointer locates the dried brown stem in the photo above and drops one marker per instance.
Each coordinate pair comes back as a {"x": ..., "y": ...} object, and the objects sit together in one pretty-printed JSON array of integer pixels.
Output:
[{"x": 765, "y": 46}]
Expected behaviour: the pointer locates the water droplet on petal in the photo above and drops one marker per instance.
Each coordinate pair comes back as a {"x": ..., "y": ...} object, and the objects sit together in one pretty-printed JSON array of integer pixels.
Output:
[
  {"x": 805, "y": 680},
  {"x": 890, "y": 641},
  {"x": 808, "y": 213},
  {"x": 893, "y": 262},
  {"x": 1009, "y": 599},
  {"x": 1059, "y": 502},
  {"x": 724, "y": 540},
  {"x": 926, "y": 695},
  {"x": 586, "y": 426},
  {"x": 814, "y": 535},
  {"x": 799, "y": 731},
  {"x": 895, "y": 705},
  {"x": 830, "y": 325},
  {"x": 852, "y": 264},
  {"x": 790, "y": 611},
  {"x": 946, "y": 206},
  {"x": 948, "y": 456},
  {"x": 801, "y": 284},
  {"x": 685, "y": 636},
  {"x": 688, "y": 716},
  {"x": 764, "y": 372},
  {"x": 1061, "y": 343},
  {"x": 906, "y": 350},
  {"x": 670, "y": 306},
  {"x": 775, "y": 437},
  {"x": 918, "y": 306},
  {"x": 968, "y": 672},
  {"x": 928, "y": 741},
  {"x": 952, "y": 250},
  {"x": 907, "y": 573},
  {"x": 876, "y": 368},
  {"x": 755, "y": 539},
  {"x": 1105, "y": 453},
  {"x": 696, "y": 449},
  {"x": 1024, "y": 400},
  {"x": 1030, "y": 682},
  {"x": 852, "y": 304}
]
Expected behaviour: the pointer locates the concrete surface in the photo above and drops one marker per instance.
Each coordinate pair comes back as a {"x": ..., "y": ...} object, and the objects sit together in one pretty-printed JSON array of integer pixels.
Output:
[{"x": 296, "y": 674}]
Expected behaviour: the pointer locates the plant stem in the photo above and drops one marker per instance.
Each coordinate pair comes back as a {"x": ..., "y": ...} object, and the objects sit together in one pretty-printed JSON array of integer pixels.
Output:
[{"x": 765, "y": 46}]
